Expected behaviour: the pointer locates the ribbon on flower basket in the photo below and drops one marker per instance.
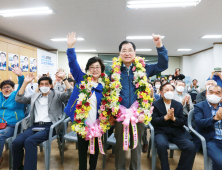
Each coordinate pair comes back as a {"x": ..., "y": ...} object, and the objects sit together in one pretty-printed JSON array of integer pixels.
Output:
[
  {"x": 95, "y": 131},
  {"x": 127, "y": 116}
]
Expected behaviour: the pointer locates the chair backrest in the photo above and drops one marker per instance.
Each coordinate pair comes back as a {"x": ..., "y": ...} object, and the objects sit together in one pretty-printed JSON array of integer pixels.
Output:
[{"x": 190, "y": 118}]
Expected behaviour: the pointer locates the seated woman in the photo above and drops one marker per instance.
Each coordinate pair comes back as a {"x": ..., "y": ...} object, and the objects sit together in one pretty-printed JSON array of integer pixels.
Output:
[
  {"x": 10, "y": 110},
  {"x": 84, "y": 106}
]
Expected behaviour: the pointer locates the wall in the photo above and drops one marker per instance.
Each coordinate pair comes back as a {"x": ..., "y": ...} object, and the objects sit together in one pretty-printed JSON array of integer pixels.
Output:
[
  {"x": 10, "y": 46},
  {"x": 199, "y": 66},
  {"x": 82, "y": 58},
  {"x": 174, "y": 62}
]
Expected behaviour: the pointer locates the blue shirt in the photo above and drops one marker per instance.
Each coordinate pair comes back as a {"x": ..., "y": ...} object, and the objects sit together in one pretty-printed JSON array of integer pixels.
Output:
[
  {"x": 217, "y": 79},
  {"x": 217, "y": 125},
  {"x": 128, "y": 69}
]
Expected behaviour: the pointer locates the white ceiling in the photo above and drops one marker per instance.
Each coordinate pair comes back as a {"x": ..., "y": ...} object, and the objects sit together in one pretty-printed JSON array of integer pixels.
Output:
[{"x": 105, "y": 23}]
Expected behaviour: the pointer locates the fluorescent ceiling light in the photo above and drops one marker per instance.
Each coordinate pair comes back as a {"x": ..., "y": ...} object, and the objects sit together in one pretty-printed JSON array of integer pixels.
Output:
[
  {"x": 143, "y": 49},
  {"x": 161, "y": 3},
  {"x": 146, "y": 60},
  {"x": 212, "y": 36},
  {"x": 65, "y": 39},
  {"x": 79, "y": 51},
  {"x": 27, "y": 11},
  {"x": 105, "y": 63},
  {"x": 141, "y": 37},
  {"x": 108, "y": 61},
  {"x": 184, "y": 49}
]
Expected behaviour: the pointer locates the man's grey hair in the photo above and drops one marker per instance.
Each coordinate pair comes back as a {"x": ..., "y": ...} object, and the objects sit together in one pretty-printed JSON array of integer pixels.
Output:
[
  {"x": 181, "y": 82},
  {"x": 210, "y": 80},
  {"x": 214, "y": 86}
]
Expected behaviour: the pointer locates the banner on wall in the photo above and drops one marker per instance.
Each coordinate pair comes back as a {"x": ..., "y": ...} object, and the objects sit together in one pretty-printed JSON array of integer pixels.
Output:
[
  {"x": 33, "y": 64},
  {"x": 24, "y": 63},
  {"x": 2, "y": 60},
  {"x": 47, "y": 63},
  {"x": 13, "y": 61}
]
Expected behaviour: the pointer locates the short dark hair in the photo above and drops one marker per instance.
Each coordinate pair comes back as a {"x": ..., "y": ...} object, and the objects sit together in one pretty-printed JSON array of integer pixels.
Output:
[
  {"x": 151, "y": 84},
  {"x": 94, "y": 60},
  {"x": 126, "y": 42},
  {"x": 157, "y": 81},
  {"x": 162, "y": 86},
  {"x": 3, "y": 53},
  {"x": 194, "y": 79},
  {"x": 44, "y": 75},
  {"x": 26, "y": 58},
  {"x": 177, "y": 68},
  {"x": 45, "y": 78},
  {"x": 169, "y": 76},
  {"x": 9, "y": 82},
  {"x": 34, "y": 59},
  {"x": 15, "y": 56},
  {"x": 71, "y": 80}
]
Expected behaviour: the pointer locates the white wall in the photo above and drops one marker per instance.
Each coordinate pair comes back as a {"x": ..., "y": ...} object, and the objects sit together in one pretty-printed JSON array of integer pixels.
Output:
[
  {"x": 174, "y": 62},
  {"x": 198, "y": 66},
  {"x": 82, "y": 59}
]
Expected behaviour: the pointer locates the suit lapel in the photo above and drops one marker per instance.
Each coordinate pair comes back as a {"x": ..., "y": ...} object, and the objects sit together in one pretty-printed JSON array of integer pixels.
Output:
[
  {"x": 207, "y": 110},
  {"x": 162, "y": 107},
  {"x": 50, "y": 97}
]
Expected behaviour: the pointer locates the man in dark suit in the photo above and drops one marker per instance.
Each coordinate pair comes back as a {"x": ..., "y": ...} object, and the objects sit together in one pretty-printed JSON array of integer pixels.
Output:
[
  {"x": 208, "y": 115},
  {"x": 168, "y": 121}
]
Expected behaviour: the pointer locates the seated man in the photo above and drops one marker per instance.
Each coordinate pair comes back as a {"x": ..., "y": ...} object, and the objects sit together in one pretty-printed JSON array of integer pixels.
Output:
[
  {"x": 168, "y": 121},
  {"x": 194, "y": 90},
  {"x": 208, "y": 115},
  {"x": 182, "y": 97},
  {"x": 46, "y": 109},
  {"x": 202, "y": 96}
]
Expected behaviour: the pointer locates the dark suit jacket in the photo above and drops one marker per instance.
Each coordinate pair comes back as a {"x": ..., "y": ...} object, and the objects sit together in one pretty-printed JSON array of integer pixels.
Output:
[
  {"x": 169, "y": 126},
  {"x": 201, "y": 97},
  {"x": 204, "y": 122}
]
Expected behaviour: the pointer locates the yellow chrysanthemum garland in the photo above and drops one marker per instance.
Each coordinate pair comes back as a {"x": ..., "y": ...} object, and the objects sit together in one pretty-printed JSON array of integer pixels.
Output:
[
  {"x": 140, "y": 81},
  {"x": 83, "y": 105}
]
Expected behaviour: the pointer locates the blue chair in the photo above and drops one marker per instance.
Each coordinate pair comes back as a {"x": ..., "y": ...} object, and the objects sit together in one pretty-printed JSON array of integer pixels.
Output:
[
  {"x": 207, "y": 160},
  {"x": 47, "y": 144},
  {"x": 71, "y": 136},
  {"x": 8, "y": 142}
]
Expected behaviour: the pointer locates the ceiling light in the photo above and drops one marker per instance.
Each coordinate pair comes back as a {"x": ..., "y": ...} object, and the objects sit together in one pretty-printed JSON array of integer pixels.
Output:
[
  {"x": 82, "y": 51},
  {"x": 161, "y": 3},
  {"x": 27, "y": 11},
  {"x": 184, "y": 49},
  {"x": 108, "y": 61},
  {"x": 105, "y": 63},
  {"x": 141, "y": 37},
  {"x": 146, "y": 60},
  {"x": 65, "y": 39},
  {"x": 212, "y": 36},
  {"x": 143, "y": 49}
]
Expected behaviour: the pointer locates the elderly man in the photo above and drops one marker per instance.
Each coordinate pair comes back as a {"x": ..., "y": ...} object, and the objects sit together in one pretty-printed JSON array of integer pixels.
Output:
[
  {"x": 182, "y": 97},
  {"x": 208, "y": 116},
  {"x": 127, "y": 52},
  {"x": 202, "y": 96},
  {"x": 168, "y": 121}
]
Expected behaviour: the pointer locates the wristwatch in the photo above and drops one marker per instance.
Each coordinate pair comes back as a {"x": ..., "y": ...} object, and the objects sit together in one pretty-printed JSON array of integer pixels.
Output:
[{"x": 65, "y": 79}]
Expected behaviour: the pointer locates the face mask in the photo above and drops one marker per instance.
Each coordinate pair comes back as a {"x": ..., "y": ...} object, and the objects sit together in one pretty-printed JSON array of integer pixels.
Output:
[
  {"x": 7, "y": 95},
  {"x": 44, "y": 89},
  {"x": 172, "y": 84},
  {"x": 157, "y": 86},
  {"x": 207, "y": 87},
  {"x": 213, "y": 99},
  {"x": 180, "y": 88},
  {"x": 170, "y": 78},
  {"x": 169, "y": 95}
]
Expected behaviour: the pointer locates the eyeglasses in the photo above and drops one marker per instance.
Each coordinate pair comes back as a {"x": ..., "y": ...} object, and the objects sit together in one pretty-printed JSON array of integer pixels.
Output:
[
  {"x": 6, "y": 87},
  {"x": 93, "y": 68},
  {"x": 125, "y": 51}
]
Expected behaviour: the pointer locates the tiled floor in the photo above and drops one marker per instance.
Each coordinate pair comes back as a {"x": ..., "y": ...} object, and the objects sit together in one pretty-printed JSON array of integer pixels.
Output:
[{"x": 71, "y": 160}]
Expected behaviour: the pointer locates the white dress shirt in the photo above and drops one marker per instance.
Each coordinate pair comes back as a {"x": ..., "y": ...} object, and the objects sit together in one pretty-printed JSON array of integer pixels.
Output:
[
  {"x": 167, "y": 106},
  {"x": 93, "y": 112},
  {"x": 41, "y": 109}
]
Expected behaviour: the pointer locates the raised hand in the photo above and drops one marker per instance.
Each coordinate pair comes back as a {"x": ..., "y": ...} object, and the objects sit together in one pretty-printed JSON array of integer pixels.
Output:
[
  {"x": 29, "y": 77},
  {"x": 218, "y": 114},
  {"x": 71, "y": 39},
  {"x": 17, "y": 71},
  {"x": 61, "y": 74},
  {"x": 157, "y": 40}
]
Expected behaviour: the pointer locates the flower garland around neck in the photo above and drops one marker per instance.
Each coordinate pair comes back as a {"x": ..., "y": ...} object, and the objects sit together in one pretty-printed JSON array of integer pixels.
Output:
[
  {"x": 141, "y": 84},
  {"x": 83, "y": 106}
]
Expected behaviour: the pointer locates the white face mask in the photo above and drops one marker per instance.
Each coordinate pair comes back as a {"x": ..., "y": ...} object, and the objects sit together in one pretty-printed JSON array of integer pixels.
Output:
[
  {"x": 213, "y": 99},
  {"x": 157, "y": 86},
  {"x": 7, "y": 95},
  {"x": 172, "y": 84},
  {"x": 180, "y": 88},
  {"x": 169, "y": 95},
  {"x": 44, "y": 89},
  {"x": 170, "y": 78}
]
